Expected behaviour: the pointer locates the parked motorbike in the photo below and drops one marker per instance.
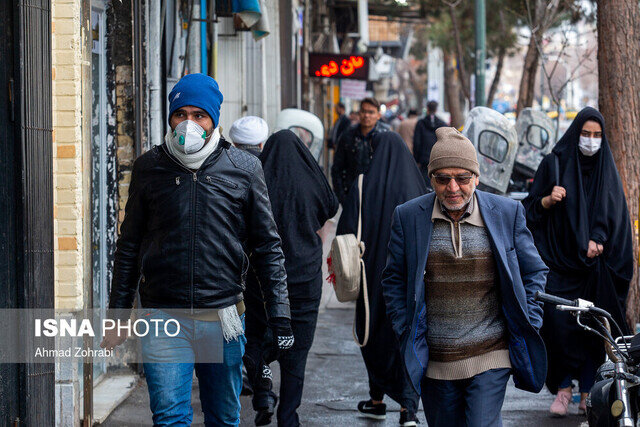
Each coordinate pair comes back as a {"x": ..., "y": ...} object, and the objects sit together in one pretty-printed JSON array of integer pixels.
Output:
[
  {"x": 307, "y": 126},
  {"x": 536, "y": 139},
  {"x": 613, "y": 400},
  {"x": 509, "y": 154},
  {"x": 496, "y": 141}
]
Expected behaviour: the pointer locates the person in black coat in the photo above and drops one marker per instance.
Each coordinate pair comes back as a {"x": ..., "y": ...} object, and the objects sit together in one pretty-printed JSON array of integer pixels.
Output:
[
  {"x": 424, "y": 137},
  {"x": 391, "y": 180},
  {"x": 341, "y": 124},
  {"x": 578, "y": 216},
  {"x": 354, "y": 152},
  {"x": 196, "y": 205},
  {"x": 301, "y": 201}
]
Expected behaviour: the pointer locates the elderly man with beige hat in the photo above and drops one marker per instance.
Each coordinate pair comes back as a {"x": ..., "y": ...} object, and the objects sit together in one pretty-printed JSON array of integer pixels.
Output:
[{"x": 459, "y": 286}]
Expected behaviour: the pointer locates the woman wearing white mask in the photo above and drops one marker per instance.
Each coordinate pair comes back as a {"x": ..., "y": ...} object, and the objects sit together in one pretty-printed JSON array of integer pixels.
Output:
[{"x": 578, "y": 216}]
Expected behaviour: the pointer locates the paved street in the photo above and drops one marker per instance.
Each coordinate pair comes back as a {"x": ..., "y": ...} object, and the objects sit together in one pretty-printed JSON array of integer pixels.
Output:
[{"x": 336, "y": 381}]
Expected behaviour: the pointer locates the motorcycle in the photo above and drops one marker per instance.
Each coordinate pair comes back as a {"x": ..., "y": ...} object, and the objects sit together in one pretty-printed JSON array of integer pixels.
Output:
[
  {"x": 495, "y": 140},
  {"x": 613, "y": 400},
  {"x": 509, "y": 154},
  {"x": 307, "y": 126},
  {"x": 536, "y": 139}
]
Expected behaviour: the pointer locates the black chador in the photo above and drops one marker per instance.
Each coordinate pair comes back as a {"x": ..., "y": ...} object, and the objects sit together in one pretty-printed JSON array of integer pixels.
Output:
[
  {"x": 302, "y": 202},
  {"x": 392, "y": 179},
  {"x": 594, "y": 209}
]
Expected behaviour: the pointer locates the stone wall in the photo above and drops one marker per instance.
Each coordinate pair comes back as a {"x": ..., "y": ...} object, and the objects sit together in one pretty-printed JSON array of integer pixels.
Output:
[{"x": 126, "y": 152}]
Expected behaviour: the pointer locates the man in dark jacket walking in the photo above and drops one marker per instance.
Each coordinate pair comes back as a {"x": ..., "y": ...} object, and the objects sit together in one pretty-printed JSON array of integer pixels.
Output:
[
  {"x": 459, "y": 286},
  {"x": 424, "y": 138},
  {"x": 354, "y": 152},
  {"x": 197, "y": 207}
]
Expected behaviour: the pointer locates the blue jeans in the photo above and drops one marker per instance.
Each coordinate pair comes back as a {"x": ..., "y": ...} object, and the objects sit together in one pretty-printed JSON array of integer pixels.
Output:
[
  {"x": 587, "y": 377},
  {"x": 170, "y": 383},
  {"x": 472, "y": 402}
]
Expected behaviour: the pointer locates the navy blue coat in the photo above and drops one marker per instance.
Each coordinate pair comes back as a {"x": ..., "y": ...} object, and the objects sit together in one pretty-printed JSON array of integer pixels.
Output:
[{"x": 520, "y": 273}]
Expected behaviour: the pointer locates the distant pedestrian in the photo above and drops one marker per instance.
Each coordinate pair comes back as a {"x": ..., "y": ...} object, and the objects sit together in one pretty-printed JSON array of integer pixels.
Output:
[
  {"x": 353, "y": 152},
  {"x": 391, "y": 180},
  {"x": 196, "y": 206},
  {"x": 342, "y": 123},
  {"x": 425, "y": 137},
  {"x": 354, "y": 118},
  {"x": 578, "y": 215},
  {"x": 249, "y": 133},
  {"x": 302, "y": 201},
  {"x": 395, "y": 122},
  {"x": 407, "y": 128},
  {"x": 459, "y": 284}
]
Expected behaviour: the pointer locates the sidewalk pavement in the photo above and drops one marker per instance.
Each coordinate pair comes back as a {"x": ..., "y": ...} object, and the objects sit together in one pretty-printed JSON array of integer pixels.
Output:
[{"x": 335, "y": 381}]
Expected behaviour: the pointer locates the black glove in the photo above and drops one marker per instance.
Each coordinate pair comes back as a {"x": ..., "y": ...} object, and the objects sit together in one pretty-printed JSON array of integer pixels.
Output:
[{"x": 282, "y": 333}]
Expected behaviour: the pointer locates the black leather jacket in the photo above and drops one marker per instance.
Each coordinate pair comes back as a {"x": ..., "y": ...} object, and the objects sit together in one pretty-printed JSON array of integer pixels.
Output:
[{"x": 186, "y": 235}]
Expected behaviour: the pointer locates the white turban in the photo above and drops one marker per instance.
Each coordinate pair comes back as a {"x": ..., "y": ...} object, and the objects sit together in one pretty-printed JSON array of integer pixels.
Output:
[{"x": 249, "y": 130}]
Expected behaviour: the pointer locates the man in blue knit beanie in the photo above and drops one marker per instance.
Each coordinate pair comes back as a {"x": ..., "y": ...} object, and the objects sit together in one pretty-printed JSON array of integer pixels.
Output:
[{"x": 197, "y": 207}]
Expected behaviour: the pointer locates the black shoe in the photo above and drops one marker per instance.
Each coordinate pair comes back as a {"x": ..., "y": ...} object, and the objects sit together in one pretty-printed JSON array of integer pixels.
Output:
[
  {"x": 408, "y": 418},
  {"x": 264, "y": 414},
  {"x": 263, "y": 417},
  {"x": 369, "y": 410}
]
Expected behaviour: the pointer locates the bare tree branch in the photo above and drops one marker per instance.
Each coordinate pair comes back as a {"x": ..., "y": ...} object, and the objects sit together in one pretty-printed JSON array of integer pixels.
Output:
[
  {"x": 554, "y": 92},
  {"x": 565, "y": 42},
  {"x": 453, "y": 4},
  {"x": 462, "y": 70},
  {"x": 502, "y": 51}
]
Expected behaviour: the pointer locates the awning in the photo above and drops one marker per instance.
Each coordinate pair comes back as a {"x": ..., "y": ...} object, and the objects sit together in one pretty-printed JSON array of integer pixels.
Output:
[{"x": 253, "y": 15}]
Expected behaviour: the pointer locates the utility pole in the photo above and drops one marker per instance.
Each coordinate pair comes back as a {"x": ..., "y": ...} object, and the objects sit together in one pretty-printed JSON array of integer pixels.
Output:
[
  {"x": 307, "y": 88},
  {"x": 363, "y": 25},
  {"x": 481, "y": 50}
]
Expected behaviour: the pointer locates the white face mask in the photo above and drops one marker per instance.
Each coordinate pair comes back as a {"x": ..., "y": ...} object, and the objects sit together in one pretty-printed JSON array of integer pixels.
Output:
[
  {"x": 589, "y": 146},
  {"x": 188, "y": 137}
]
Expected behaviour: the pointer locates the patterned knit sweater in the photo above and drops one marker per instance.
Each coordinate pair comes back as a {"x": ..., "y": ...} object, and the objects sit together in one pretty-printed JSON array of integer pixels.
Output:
[{"x": 466, "y": 332}]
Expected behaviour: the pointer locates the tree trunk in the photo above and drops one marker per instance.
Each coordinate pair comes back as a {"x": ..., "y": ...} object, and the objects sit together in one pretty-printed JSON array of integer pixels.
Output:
[
  {"x": 502, "y": 51},
  {"x": 462, "y": 70},
  {"x": 543, "y": 17},
  {"x": 529, "y": 72},
  {"x": 618, "y": 24},
  {"x": 496, "y": 79},
  {"x": 417, "y": 83},
  {"x": 452, "y": 91}
]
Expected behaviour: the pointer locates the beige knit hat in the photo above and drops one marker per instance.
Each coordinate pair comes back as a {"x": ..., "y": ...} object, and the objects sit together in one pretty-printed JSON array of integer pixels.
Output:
[{"x": 453, "y": 150}]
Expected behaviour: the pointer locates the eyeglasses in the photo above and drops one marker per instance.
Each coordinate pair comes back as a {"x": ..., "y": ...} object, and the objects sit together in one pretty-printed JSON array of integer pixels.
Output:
[{"x": 460, "y": 179}]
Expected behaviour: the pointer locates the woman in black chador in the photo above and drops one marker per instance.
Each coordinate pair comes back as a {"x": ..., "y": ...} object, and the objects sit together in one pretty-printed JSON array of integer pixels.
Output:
[
  {"x": 302, "y": 202},
  {"x": 392, "y": 179},
  {"x": 578, "y": 215}
]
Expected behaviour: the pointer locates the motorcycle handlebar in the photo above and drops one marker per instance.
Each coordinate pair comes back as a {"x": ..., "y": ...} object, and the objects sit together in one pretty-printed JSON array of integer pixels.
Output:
[
  {"x": 579, "y": 305},
  {"x": 552, "y": 299}
]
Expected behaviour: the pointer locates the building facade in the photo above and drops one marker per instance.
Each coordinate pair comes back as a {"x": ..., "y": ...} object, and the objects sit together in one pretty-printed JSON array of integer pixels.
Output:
[{"x": 112, "y": 65}]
